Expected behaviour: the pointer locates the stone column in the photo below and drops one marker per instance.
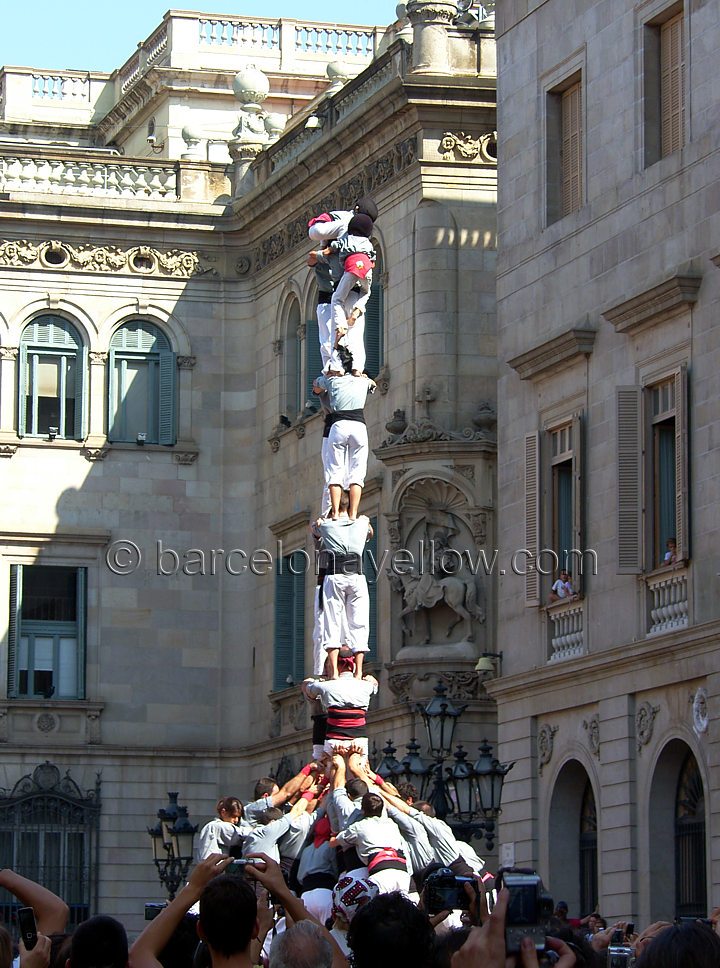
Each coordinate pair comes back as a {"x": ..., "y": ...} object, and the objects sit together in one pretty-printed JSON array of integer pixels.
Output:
[
  {"x": 430, "y": 20},
  {"x": 97, "y": 402},
  {"x": 8, "y": 389}
]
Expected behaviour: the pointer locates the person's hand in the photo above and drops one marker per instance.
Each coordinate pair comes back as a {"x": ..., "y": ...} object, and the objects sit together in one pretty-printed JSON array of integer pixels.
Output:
[
  {"x": 648, "y": 934},
  {"x": 477, "y": 912},
  {"x": 486, "y": 945},
  {"x": 37, "y": 957},
  {"x": 268, "y": 872},
  {"x": 312, "y": 258},
  {"x": 264, "y": 913},
  {"x": 206, "y": 869},
  {"x": 602, "y": 939}
]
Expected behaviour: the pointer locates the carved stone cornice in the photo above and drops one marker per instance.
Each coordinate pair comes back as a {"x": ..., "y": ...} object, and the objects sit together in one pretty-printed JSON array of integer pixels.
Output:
[
  {"x": 666, "y": 301},
  {"x": 568, "y": 346},
  {"x": 291, "y": 523},
  {"x": 137, "y": 260},
  {"x": 368, "y": 180},
  {"x": 423, "y": 431}
]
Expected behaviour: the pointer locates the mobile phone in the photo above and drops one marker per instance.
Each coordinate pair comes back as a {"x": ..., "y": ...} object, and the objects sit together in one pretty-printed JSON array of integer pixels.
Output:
[{"x": 28, "y": 927}]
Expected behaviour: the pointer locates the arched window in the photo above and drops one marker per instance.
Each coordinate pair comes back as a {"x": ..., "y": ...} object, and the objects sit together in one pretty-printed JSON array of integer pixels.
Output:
[
  {"x": 141, "y": 385},
  {"x": 375, "y": 322},
  {"x": 690, "y": 875},
  {"x": 293, "y": 400},
  {"x": 51, "y": 388},
  {"x": 588, "y": 852}
]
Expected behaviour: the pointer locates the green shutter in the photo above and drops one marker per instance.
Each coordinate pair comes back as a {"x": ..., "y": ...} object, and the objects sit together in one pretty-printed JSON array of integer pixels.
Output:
[
  {"x": 167, "y": 380},
  {"x": 22, "y": 388},
  {"x": 374, "y": 323},
  {"x": 313, "y": 360},
  {"x": 370, "y": 568},
  {"x": 629, "y": 481},
  {"x": 578, "y": 502},
  {"x": 81, "y": 381},
  {"x": 14, "y": 626},
  {"x": 81, "y": 592},
  {"x": 113, "y": 416},
  {"x": 298, "y": 603},
  {"x": 532, "y": 518}
]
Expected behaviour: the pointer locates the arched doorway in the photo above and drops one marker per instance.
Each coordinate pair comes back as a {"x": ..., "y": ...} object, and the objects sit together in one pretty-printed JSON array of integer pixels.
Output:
[{"x": 572, "y": 830}]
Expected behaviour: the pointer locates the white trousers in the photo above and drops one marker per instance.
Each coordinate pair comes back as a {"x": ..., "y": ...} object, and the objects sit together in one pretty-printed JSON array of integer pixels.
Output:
[
  {"x": 326, "y": 459},
  {"x": 389, "y": 881},
  {"x": 323, "y": 318},
  {"x": 345, "y": 597},
  {"x": 319, "y": 653},
  {"x": 344, "y": 300},
  {"x": 347, "y": 453}
]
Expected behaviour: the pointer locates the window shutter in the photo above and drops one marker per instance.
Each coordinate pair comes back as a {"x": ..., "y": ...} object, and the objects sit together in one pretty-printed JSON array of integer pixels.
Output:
[
  {"x": 682, "y": 492},
  {"x": 532, "y": 517},
  {"x": 81, "y": 592},
  {"x": 298, "y": 627},
  {"x": 283, "y": 639},
  {"x": 113, "y": 415},
  {"x": 571, "y": 149},
  {"x": 313, "y": 359},
  {"x": 629, "y": 446},
  {"x": 14, "y": 626},
  {"x": 166, "y": 415},
  {"x": 374, "y": 323},
  {"x": 81, "y": 381},
  {"x": 370, "y": 570},
  {"x": 578, "y": 500},
  {"x": 22, "y": 388},
  {"x": 672, "y": 85}
]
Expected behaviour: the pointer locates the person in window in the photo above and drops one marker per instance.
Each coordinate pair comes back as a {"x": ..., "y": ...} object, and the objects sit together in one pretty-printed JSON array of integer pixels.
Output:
[
  {"x": 671, "y": 553},
  {"x": 562, "y": 589}
]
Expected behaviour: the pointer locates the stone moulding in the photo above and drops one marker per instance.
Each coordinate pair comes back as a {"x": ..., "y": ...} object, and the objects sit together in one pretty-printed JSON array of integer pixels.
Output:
[
  {"x": 138, "y": 260},
  {"x": 665, "y": 301},
  {"x": 565, "y": 348}
]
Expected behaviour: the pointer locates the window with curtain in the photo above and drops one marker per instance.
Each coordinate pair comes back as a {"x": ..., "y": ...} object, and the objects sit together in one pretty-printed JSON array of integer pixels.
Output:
[
  {"x": 52, "y": 368},
  {"x": 46, "y": 640},
  {"x": 141, "y": 384}
]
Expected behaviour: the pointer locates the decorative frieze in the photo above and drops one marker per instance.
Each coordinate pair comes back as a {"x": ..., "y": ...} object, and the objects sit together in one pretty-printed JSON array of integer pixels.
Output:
[
  {"x": 138, "y": 260},
  {"x": 465, "y": 147},
  {"x": 368, "y": 180}
]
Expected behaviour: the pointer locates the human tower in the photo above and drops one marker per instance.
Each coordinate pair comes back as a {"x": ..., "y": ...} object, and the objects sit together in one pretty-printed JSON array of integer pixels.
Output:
[{"x": 343, "y": 263}]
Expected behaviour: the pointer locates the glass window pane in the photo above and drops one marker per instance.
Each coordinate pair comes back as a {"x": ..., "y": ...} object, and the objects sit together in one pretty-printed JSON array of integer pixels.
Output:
[
  {"x": 49, "y": 594},
  {"x": 67, "y": 666},
  {"x": 137, "y": 404}
]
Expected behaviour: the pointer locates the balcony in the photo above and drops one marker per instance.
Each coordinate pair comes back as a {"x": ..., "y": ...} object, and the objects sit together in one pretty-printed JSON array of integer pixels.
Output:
[
  {"x": 566, "y": 634},
  {"x": 667, "y": 604}
]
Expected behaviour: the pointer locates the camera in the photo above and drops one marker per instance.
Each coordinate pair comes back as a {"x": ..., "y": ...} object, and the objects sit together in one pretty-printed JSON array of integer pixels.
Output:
[
  {"x": 620, "y": 954},
  {"x": 529, "y": 908},
  {"x": 28, "y": 928},
  {"x": 152, "y": 910},
  {"x": 446, "y": 892},
  {"x": 238, "y": 866}
]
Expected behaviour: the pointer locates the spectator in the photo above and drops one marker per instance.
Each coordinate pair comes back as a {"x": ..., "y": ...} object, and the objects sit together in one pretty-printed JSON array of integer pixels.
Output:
[
  {"x": 562, "y": 589},
  {"x": 301, "y": 946},
  {"x": 99, "y": 941},
  {"x": 692, "y": 945},
  {"x": 391, "y": 932}
]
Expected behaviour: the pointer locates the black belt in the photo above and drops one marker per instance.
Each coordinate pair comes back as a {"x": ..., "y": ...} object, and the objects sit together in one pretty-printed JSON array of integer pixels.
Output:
[
  {"x": 334, "y": 563},
  {"x": 356, "y": 415}
]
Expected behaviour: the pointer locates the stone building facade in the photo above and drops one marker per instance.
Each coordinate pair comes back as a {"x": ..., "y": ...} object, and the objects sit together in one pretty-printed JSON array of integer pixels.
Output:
[
  {"x": 609, "y": 234},
  {"x": 160, "y": 459}
]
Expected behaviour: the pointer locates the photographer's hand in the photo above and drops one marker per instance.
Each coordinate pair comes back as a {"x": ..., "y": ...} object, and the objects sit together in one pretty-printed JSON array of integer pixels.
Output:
[{"x": 485, "y": 946}]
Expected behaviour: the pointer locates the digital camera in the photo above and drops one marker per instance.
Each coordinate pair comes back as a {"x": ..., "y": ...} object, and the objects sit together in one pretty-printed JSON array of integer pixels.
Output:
[
  {"x": 619, "y": 953},
  {"x": 529, "y": 908},
  {"x": 446, "y": 892}
]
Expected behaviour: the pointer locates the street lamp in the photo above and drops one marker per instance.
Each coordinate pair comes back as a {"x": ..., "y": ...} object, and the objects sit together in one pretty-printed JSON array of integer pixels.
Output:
[
  {"x": 489, "y": 774},
  {"x": 440, "y": 717},
  {"x": 414, "y": 768},
  {"x": 172, "y": 844}
]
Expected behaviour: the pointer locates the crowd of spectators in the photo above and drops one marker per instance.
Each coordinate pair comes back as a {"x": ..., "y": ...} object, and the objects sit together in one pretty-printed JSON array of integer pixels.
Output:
[{"x": 341, "y": 876}]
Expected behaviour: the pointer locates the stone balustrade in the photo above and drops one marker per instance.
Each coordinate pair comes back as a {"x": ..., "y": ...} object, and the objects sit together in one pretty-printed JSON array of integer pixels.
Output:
[
  {"x": 29, "y": 94},
  {"x": 565, "y": 626},
  {"x": 667, "y": 600},
  {"x": 70, "y": 176}
]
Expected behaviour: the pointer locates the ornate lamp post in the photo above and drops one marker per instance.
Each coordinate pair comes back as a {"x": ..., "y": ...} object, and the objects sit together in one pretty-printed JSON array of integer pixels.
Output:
[
  {"x": 414, "y": 768},
  {"x": 389, "y": 768},
  {"x": 489, "y": 775},
  {"x": 172, "y": 844}
]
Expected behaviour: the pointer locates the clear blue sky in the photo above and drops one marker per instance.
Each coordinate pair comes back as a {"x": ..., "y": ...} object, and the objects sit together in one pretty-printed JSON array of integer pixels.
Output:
[{"x": 73, "y": 35}]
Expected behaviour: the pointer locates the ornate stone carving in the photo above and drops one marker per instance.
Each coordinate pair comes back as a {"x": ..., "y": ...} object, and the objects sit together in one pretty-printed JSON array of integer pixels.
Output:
[
  {"x": 467, "y": 470},
  {"x": 400, "y": 157},
  {"x": 186, "y": 362},
  {"x": 299, "y": 429},
  {"x": 46, "y": 723},
  {"x": 111, "y": 258},
  {"x": 274, "y": 444},
  {"x": 301, "y": 331},
  {"x": 4, "y": 725},
  {"x": 242, "y": 265},
  {"x": 645, "y": 723},
  {"x": 397, "y": 423},
  {"x": 545, "y": 743},
  {"x": 467, "y": 147},
  {"x": 478, "y": 526},
  {"x": 92, "y": 727},
  {"x": 400, "y": 684},
  {"x": 185, "y": 457},
  {"x": 7, "y": 450},
  {"x": 396, "y": 475},
  {"x": 701, "y": 719},
  {"x": 423, "y": 430},
  {"x": 277, "y": 345},
  {"x": 435, "y": 515},
  {"x": 275, "y": 727},
  {"x": 461, "y": 685},
  {"x": 8, "y": 352},
  {"x": 382, "y": 380},
  {"x": 95, "y": 453},
  {"x": 418, "y": 10},
  {"x": 592, "y": 727},
  {"x": 393, "y": 526},
  {"x": 98, "y": 357}
]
